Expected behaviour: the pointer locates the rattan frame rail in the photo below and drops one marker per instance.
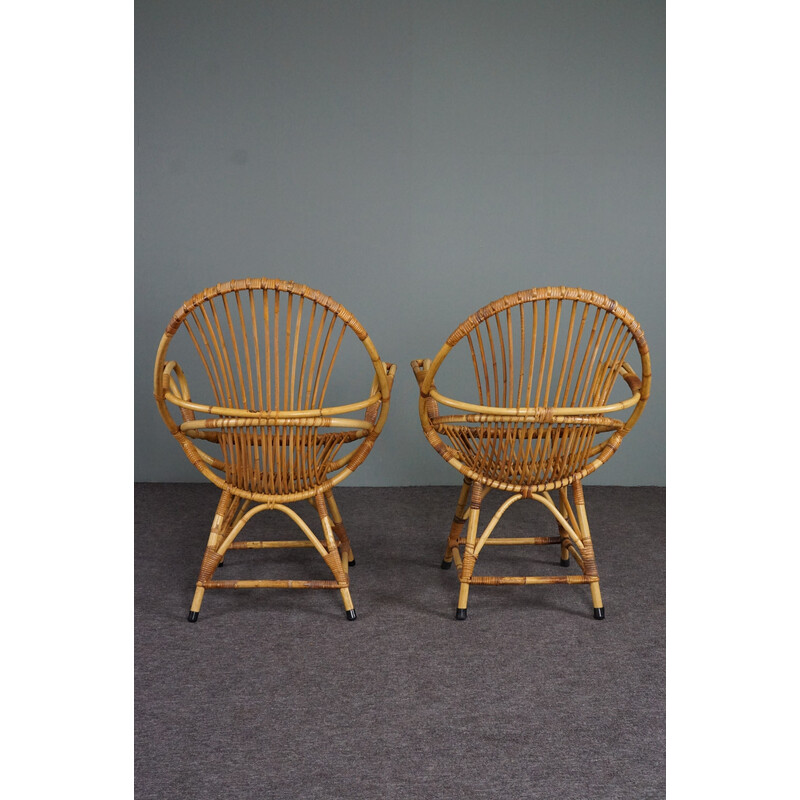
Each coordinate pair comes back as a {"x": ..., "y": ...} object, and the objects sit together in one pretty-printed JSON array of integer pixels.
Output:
[
  {"x": 546, "y": 361},
  {"x": 268, "y": 348}
]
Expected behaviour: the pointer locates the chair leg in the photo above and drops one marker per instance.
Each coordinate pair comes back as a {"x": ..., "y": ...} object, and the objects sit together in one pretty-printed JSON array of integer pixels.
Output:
[
  {"x": 561, "y": 532},
  {"x": 339, "y": 529},
  {"x": 589, "y": 563},
  {"x": 468, "y": 561},
  {"x": 211, "y": 558},
  {"x": 458, "y": 524},
  {"x": 229, "y": 521},
  {"x": 597, "y": 601},
  {"x": 333, "y": 559}
]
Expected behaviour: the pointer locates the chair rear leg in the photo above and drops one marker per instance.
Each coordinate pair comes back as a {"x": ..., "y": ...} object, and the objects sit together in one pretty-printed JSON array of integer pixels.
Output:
[
  {"x": 458, "y": 524},
  {"x": 468, "y": 561}
]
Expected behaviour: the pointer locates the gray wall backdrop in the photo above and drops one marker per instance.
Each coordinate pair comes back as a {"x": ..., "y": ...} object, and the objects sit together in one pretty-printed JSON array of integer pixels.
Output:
[{"x": 415, "y": 160}]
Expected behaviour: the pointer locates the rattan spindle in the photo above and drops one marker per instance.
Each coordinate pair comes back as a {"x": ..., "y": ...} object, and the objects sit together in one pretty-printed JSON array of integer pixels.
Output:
[
  {"x": 546, "y": 364},
  {"x": 268, "y": 349}
]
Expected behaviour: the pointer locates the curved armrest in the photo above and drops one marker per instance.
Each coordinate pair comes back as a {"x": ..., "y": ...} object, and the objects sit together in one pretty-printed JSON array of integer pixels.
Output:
[
  {"x": 172, "y": 387},
  {"x": 500, "y": 411},
  {"x": 277, "y": 417},
  {"x": 178, "y": 394},
  {"x": 422, "y": 367},
  {"x": 171, "y": 384}
]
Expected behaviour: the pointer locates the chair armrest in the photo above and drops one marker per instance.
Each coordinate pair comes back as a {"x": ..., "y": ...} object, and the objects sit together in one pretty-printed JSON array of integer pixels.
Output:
[{"x": 172, "y": 385}]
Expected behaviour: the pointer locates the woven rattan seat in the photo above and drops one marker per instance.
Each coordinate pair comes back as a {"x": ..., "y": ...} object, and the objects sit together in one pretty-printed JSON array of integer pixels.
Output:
[
  {"x": 264, "y": 435},
  {"x": 547, "y": 365}
]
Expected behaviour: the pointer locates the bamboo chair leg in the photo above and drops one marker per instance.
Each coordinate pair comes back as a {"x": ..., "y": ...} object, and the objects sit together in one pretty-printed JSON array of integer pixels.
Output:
[
  {"x": 333, "y": 559},
  {"x": 339, "y": 530},
  {"x": 458, "y": 524},
  {"x": 589, "y": 563},
  {"x": 561, "y": 532},
  {"x": 211, "y": 558},
  {"x": 229, "y": 521},
  {"x": 468, "y": 560}
]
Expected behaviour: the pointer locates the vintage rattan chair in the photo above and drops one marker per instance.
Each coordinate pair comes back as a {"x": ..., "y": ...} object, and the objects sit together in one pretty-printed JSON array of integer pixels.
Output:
[
  {"x": 268, "y": 348},
  {"x": 546, "y": 362}
]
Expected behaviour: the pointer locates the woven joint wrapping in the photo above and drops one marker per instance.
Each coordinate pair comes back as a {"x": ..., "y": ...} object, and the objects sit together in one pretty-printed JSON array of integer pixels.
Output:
[
  {"x": 189, "y": 449},
  {"x": 334, "y": 563},
  {"x": 211, "y": 561},
  {"x": 341, "y": 533},
  {"x": 431, "y": 407},
  {"x": 468, "y": 564},
  {"x": 589, "y": 564},
  {"x": 476, "y": 495},
  {"x": 371, "y": 413},
  {"x": 363, "y": 451}
]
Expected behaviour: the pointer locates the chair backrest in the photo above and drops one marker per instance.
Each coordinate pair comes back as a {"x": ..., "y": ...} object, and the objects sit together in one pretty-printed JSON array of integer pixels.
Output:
[
  {"x": 545, "y": 364},
  {"x": 269, "y": 349}
]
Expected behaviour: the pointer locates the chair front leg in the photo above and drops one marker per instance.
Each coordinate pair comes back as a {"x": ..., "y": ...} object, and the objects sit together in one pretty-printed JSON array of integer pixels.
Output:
[
  {"x": 589, "y": 563},
  {"x": 468, "y": 561},
  {"x": 211, "y": 558},
  {"x": 333, "y": 559},
  {"x": 338, "y": 528},
  {"x": 564, "y": 502},
  {"x": 458, "y": 523}
]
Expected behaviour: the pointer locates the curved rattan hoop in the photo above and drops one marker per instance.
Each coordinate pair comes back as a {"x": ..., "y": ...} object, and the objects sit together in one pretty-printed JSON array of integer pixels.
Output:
[
  {"x": 270, "y": 381},
  {"x": 538, "y": 432}
]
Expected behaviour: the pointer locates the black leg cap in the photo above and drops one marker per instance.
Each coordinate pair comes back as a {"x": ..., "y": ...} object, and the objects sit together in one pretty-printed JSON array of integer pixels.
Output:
[
  {"x": 461, "y": 613},
  {"x": 351, "y": 563},
  {"x": 600, "y": 613},
  {"x": 193, "y": 615},
  {"x": 446, "y": 564},
  {"x": 351, "y": 614},
  {"x": 564, "y": 562}
]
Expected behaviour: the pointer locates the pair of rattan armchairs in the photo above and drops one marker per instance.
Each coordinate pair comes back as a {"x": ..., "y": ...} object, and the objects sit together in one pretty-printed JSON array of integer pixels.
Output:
[{"x": 546, "y": 363}]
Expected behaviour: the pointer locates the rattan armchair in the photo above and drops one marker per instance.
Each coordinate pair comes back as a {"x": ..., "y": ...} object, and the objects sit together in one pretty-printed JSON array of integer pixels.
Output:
[
  {"x": 268, "y": 349},
  {"x": 547, "y": 363}
]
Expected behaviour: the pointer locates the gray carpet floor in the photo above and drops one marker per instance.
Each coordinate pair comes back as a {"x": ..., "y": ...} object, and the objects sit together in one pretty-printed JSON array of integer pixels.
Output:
[{"x": 274, "y": 694}]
